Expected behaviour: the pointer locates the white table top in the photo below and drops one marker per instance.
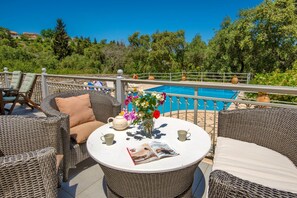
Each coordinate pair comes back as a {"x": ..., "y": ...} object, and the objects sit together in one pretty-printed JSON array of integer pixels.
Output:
[{"x": 117, "y": 157}]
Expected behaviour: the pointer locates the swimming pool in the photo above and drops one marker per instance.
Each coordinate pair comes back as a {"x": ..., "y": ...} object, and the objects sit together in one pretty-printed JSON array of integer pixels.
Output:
[{"x": 217, "y": 93}]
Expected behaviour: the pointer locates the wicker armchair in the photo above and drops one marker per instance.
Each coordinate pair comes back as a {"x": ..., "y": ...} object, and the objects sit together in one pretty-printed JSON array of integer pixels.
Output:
[
  {"x": 274, "y": 128},
  {"x": 104, "y": 106},
  {"x": 28, "y": 156}
]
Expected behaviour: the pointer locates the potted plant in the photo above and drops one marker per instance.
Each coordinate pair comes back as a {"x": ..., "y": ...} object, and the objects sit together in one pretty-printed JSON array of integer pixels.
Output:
[
  {"x": 263, "y": 97},
  {"x": 234, "y": 80},
  {"x": 135, "y": 76},
  {"x": 151, "y": 77},
  {"x": 184, "y": 77}
]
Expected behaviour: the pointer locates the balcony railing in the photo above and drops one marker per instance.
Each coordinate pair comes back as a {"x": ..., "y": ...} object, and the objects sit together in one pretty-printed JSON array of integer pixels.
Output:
[
  {"x": 119, "y": 87},
  {"x": 223, "y": 77}
]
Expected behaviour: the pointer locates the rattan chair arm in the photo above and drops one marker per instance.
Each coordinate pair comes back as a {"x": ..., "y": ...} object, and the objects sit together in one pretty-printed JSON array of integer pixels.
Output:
[
  {"x": 23, "y": 134},
  {"x": 223, "y": 185},
  {"x": 274, "y": 128},
  {"x": 48, "y": 110},
  {"x": 29, "y": 174}
]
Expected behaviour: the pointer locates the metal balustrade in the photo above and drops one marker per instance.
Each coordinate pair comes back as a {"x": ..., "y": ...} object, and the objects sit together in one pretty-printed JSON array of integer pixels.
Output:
[
  {"x": 223, "y": 77},
  {"x": 207, "y": 119}
]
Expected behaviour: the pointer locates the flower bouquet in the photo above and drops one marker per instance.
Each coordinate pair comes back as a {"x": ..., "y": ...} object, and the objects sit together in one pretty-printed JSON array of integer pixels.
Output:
[{"x": 144, "y": 109}]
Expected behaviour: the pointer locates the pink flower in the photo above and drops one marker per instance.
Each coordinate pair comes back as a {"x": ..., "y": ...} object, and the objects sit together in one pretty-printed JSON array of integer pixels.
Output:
[
  {"x": 129, "y": 98},
  {"x": 127, "y": 101},
  {"x": 164, "y": 98}
]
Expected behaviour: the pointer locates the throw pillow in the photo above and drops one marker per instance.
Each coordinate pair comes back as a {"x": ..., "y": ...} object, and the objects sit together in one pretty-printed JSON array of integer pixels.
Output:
[
  {"x": 78, "y": 108},
  {"x": 81, "y": 132}
]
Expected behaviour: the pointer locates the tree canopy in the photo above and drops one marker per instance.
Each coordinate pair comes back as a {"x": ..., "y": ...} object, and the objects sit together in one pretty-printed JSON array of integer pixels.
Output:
[
  {"x": 61, "y": 41},
  {"x": 260, "y": 40}
]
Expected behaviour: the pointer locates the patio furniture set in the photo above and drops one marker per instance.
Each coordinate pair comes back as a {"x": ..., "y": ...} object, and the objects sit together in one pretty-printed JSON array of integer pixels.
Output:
[
  {"x": 167, "y": 177},
  {"x": 255, "y": 154}
]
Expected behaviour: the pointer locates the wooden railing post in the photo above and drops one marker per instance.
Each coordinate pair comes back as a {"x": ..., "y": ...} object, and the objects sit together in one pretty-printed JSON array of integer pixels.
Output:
[
  {"x": 120, "y": 91},
  {"x": 44, "y": 86},
  {"x": 6, "y": 77}
]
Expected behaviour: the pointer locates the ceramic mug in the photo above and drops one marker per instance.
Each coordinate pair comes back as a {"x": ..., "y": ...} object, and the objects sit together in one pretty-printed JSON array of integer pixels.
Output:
[
  {"x": 107, "y": 138},
  {"x": 183, "y": 135}
]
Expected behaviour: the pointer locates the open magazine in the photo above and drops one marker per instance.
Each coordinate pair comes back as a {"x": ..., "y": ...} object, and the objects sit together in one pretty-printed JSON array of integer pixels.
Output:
[{"x": 151, "y": 151}]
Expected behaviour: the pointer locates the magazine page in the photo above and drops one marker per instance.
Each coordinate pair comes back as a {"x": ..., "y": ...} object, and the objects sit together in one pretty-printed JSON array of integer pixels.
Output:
[
  {"x": 142, "y": 154},
  {"x": 162, "y": 149}
]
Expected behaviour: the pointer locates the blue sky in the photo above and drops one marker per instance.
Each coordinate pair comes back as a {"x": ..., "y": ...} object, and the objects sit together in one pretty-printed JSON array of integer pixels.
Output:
[{"x": 117, "y": 19}]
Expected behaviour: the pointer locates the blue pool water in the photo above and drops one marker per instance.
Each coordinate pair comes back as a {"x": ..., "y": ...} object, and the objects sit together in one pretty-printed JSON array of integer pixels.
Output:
[{"x": 217, "y": 93}]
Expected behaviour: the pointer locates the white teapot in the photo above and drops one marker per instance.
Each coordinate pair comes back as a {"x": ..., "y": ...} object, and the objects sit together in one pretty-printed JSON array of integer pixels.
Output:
[{"x": 118, "y": 123}]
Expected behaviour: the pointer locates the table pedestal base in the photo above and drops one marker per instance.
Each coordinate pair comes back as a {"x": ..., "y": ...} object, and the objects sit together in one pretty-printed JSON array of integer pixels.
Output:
[
  {"x": 187, "y": 194},
  {"x": 167, "y": 184}
]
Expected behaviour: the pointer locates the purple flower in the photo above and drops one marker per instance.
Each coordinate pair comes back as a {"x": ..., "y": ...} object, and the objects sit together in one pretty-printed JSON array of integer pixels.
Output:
[
  {"x": 126, "y": 116},
  {"x": 130, "y": 116}
]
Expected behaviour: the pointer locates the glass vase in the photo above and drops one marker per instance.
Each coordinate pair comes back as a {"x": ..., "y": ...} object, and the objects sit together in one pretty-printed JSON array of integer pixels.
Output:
[{"x": 148, "y": 127}]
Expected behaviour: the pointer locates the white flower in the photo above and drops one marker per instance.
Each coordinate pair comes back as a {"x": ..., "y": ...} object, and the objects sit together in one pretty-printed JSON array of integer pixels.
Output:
[
  {"x": 144, "y": 104},
  {"x": 159, "y": 97},
  {"x": 141, "y": 92},
  {"x": 154, "y": 94}
]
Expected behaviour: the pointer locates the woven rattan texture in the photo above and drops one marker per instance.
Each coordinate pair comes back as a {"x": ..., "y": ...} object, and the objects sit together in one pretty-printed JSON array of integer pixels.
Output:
[
  {"x": 28, "y": 167},
  {"x": 155, "y": 185},
  {"x": 103, "y": 105},
  {"x": 274, "y": 128}
]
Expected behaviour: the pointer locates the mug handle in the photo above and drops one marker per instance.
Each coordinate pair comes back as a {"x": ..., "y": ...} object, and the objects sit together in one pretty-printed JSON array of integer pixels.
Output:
[
  {"x": 102, "y": 138},
  {"x": 108, "y": 119},
  {"x": 188, "y": 135}
]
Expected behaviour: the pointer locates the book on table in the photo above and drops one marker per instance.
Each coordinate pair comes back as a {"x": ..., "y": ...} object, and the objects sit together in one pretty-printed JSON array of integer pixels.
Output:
[{"x": 150, "y": 151}]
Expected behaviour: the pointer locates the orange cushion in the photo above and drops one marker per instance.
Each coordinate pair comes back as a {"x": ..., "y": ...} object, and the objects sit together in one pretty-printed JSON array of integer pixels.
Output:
[
  {"x": 78, "y": 108},
  {"x": 81, "y": 132}
]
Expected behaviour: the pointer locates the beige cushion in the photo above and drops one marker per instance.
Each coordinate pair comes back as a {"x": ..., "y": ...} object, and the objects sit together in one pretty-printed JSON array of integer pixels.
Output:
[
  {"x": 81, "y": 132},
  {"x": 78, "y": 108},
  {"x": 59, "y": 158},
  {"x": 255, "y": 163}
]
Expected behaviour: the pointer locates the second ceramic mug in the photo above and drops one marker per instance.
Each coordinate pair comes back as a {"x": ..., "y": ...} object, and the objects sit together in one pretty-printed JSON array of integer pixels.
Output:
[
  {"x": 183, "y": 135},
  {"x": 108, "y": 138}
]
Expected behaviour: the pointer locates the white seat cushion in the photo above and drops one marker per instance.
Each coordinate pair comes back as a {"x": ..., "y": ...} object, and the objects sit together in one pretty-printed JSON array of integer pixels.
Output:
[{"x": 255, "y": 163}]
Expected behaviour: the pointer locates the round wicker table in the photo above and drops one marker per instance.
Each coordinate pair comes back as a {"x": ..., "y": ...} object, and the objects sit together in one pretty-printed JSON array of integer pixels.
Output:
[{"x": 167, "y": 177}]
